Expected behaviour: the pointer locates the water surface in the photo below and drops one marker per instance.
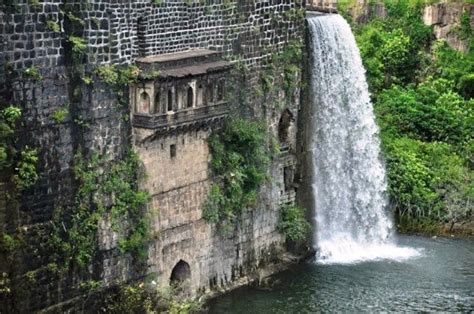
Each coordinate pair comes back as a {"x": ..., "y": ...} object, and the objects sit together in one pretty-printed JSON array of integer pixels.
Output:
[{"x": 440, "y": 279}]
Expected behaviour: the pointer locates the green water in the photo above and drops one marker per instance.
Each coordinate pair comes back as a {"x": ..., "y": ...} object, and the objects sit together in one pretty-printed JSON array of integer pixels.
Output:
[{"x": 440, "y": 280}]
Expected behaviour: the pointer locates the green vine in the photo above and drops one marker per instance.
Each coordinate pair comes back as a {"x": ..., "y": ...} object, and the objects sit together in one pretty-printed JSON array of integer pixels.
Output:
[
  {"x": 239, "y": 160},
  {"x": 25, "y": 170},
  {"x": 113, "y": 194},
  {"x": 32, "y": 73},
  {"x": 118, "y": 78},
  {"x": 53, "y": 26},
  {"x": 282, "y": 71}
]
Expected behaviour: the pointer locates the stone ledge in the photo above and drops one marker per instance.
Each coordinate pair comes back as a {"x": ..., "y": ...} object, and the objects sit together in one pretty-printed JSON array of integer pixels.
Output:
[{"x": 180, "y": 118}]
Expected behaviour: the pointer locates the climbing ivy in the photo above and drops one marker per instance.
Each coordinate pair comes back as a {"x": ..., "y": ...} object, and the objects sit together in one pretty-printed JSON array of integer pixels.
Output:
[
  {"x": 239, "y": 160},
  {"x": 112, "y": 193},
  {"x": 118, "y": 79},
  {"x": 32, "y": 73},
  {"x": 282, "y": 71}
]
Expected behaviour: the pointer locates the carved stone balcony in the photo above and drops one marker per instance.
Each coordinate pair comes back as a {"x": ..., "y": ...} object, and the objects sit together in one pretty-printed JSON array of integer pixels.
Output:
[
  {"x": 191, "y": 117},
  {"x": 180, "y": 90}
]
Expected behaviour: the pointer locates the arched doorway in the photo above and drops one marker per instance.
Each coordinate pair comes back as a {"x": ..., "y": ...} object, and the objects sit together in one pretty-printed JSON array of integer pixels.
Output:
[
  {"x": 286, "y": 120},
  {"x": 180, "y": 274}
]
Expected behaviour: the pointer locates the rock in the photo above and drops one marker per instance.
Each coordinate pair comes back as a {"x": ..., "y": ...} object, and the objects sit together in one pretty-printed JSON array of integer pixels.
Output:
[{"x": 445, "y": 18}]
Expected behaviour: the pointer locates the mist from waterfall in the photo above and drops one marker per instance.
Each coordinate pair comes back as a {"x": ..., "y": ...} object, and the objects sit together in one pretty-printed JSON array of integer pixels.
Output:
[{"x": 352, "y": 222}]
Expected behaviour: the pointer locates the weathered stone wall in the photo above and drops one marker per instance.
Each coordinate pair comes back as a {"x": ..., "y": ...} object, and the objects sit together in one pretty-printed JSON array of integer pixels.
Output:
[
  {"x": 117, "y": 32},
  {"x": 445, "y": 18}
]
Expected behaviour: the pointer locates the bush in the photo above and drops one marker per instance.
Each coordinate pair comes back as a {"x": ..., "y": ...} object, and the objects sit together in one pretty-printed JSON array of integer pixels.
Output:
[
  {"x": 293, "y": 223},
  {"x": 428, "y": 179},
  {"x": 78, "y": 45},
  {"x": 25, "y": 170},
  {"x": 60, "y": 115},
  {"x": 239, "y": 159},
  {"x": 422, "y": 91}
]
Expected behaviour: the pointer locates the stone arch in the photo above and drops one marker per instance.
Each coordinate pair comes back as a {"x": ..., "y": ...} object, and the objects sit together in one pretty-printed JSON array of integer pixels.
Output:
[
  {"x": 169, "y": 100},
  {"x": 190, "y": 97},
  {"x": 144, "y": 104},
  {"x": 181, "y": 272},
  {"x": 286, "y": 120}
]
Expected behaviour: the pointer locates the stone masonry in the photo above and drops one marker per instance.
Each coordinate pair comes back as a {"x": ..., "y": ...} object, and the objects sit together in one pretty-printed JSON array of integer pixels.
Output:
[{"x": 34, "y": 35}]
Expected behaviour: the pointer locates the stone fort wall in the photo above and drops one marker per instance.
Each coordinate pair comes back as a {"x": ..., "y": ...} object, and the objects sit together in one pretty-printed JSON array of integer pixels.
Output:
[{"x": 118, "y": 32}]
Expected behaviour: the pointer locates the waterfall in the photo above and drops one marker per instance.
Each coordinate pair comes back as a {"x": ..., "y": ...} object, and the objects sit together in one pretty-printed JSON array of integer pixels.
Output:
[{"x": 348, "y": 180}]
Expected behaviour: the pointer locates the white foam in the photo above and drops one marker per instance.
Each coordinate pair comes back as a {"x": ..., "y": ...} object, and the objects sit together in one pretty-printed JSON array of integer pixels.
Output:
[{"x": 341, "y": 249}]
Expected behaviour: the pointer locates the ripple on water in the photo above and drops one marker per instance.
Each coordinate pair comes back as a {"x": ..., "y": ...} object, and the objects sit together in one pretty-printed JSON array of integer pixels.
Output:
[{"x": 439, "y": 280}]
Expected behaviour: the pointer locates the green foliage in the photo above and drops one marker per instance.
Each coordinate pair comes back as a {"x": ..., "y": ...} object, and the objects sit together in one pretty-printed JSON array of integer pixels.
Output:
[
  {"x": 112, "y": 193},
  {"x": 450, "y": 64},
  {"x": 90, "y": 285},
  {"x": 136, "y": 298},
  {"x": 423, "y": 103},
  {"x": 428, "y": 179},
  {"x": 425, "y": 225},
  {"x": 8, "y": 244},
  {"x": 391, "y": 48},
  {"x": 25, "y": 170},
  {"x": 107, "y": 73},
  {"x": 293, "y": 223},
  {"x": 87, "y": 79},
  {"x": 60, "y": 115},
  {"x": 8, "y": 118},
  {"x": 34, "y": 3},
  {"x": 466, "y": 85},
  {"x": 184, "y": 307},
  {"x": 288, "y": 61},
  {"x": 75, "y": 20},
  {"x": 464, "y": 30},
  {"x": 113, "y": 76},
  {"x": 157, "y": 2},
  {"x": 53, "y": 26},
  {"x": 239, "y": 159},
  {"x": 32, "y": 73},
  {"x": 427, "y": 112},
  {"x": 5, "y": 289},
  {"x": 11, "y": 114},
  {"x": 31, "y": 277},
  {"x": 78, "y": 45},
  {"x": 130, "y": 299}
]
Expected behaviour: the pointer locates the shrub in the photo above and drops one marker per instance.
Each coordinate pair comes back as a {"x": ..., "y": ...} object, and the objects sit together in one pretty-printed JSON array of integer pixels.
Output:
[
  {"x": 25, "y": 170},
  {"x": 239, "y": 159},
  {"x": 293, "y": 223},
  {"x": 78, "y": 45},
  {"x": 53, "y": 26},
  {"x": 60, "y": 115},
  {"x": 33, "y": 73}
]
